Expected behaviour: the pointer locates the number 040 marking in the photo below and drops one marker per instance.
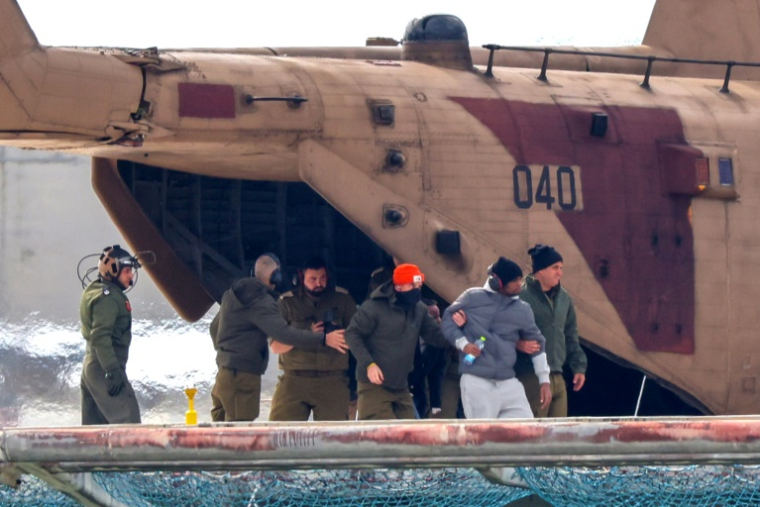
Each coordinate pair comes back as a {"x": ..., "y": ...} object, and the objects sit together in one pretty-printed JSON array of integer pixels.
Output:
[{"x": 555, "y": 186}]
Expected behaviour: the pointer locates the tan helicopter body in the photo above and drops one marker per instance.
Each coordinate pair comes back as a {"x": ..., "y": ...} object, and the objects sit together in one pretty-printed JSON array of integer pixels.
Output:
[{"x": 648, "y": 192}]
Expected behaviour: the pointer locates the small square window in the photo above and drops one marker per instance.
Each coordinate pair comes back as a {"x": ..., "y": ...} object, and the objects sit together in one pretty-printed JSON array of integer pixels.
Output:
[{"x": 726, "y": 172}]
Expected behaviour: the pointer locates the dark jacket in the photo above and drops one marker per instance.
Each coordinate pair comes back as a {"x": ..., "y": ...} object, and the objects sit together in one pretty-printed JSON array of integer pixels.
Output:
[
  {"x": 502, "y": 320},
  {"x": 301, "y": 311},
  {"x": 248, "y": 314},
  {"x": 383, "y": 333},
  {"x": 555, "y": 317},
  {"x": 106, "y": 318},
  {"x": 429, "y": 365}
]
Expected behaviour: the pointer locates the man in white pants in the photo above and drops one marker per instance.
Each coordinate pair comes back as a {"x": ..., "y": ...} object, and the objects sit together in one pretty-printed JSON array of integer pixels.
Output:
[{"x": 490, "y": 389}]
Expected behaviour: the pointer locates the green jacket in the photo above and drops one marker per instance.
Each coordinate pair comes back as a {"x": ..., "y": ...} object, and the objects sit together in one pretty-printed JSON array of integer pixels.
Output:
[
  {"x": 247, "y": 315},
  {"x": 555, "y": 317},
  {"x": 301, "y": 311},
  {"x": 106, "y": 318},
  {"x": 385, "y": 334}
]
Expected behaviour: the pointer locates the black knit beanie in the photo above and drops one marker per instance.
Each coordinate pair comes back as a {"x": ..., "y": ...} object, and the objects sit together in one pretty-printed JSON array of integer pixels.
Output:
[
  {"x": 543, "y": 256},
  {"x": 506, "y": 270}
]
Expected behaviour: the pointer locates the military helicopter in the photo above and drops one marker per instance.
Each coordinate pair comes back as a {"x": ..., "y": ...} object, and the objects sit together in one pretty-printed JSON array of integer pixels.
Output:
[{"x": 634, "y": 162}]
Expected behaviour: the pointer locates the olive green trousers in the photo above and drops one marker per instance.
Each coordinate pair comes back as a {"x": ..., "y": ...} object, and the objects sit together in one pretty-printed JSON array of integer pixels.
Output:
[{"x": 377, "y": 402}]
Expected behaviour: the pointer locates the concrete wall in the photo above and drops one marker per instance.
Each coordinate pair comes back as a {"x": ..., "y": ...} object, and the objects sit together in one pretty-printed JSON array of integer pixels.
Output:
[{"x": 49, "y": 219}]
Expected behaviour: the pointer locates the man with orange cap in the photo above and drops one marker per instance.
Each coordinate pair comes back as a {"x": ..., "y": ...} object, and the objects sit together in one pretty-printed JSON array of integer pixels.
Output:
[{"x": 383, "y": 336}]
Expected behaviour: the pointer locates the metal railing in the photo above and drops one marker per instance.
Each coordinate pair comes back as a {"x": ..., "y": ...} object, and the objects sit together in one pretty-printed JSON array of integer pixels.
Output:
[
  {"x": 427, "y": 443},
  {"x": 729, "y": 64}
]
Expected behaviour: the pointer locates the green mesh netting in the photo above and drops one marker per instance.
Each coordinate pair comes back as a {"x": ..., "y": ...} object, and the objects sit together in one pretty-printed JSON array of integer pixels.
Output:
[
  {"x": 459, "y": 487},
  {"x": 33, "y": 492},
  {"x": 655, "y": 486},
  {"x": 629, "y": 486}
]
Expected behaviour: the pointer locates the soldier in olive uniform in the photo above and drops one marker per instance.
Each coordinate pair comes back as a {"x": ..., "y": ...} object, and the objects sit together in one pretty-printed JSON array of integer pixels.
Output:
[
  {"x": 106, "y": 317},
  {"x": 314, "y": 381}
]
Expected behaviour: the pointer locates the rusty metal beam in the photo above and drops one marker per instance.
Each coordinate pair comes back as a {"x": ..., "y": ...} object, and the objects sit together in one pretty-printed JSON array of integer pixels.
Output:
[{"x": 572, "y": 442}]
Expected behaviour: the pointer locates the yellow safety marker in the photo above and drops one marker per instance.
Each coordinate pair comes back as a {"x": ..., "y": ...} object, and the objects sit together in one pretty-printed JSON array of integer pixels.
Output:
[{"x": 191, "y": 416}]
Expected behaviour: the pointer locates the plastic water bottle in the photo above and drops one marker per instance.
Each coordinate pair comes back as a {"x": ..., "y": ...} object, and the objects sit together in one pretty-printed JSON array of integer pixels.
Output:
[{"x": 469, "y": 358}]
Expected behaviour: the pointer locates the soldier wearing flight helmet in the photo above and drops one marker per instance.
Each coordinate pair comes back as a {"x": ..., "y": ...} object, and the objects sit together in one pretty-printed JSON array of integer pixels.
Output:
[{"x": 106, "y": 318}]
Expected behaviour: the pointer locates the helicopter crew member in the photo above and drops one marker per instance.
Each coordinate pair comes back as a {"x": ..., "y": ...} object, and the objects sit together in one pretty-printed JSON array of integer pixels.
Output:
[
  {"x": 555, "y": 316},
  {"x": 383, "y": 336},
  {"x": 314, "y": 380},
  {"x": 106, "y": 319},
  {"x": 248, "y": 314}
]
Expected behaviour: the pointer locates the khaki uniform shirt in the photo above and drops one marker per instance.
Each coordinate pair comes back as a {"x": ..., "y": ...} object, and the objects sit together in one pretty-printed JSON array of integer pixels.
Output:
[{"x": 301, "y": 311}]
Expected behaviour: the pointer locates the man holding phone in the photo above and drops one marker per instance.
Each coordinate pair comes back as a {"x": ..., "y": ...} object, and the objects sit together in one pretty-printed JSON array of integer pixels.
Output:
[{"x": 314, "y": 381}]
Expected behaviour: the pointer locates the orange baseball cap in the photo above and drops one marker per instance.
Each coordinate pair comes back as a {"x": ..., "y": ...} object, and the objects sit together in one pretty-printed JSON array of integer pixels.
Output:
[{"x": 407, "y": 273}]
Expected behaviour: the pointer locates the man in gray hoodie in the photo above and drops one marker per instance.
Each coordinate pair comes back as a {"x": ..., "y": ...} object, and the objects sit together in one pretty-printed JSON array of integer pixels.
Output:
[{"x": 490, "y": 389}]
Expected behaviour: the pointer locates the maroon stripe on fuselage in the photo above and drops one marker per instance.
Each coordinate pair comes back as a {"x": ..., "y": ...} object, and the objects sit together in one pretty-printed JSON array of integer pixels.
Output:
[{"x": 636, "y": 238}]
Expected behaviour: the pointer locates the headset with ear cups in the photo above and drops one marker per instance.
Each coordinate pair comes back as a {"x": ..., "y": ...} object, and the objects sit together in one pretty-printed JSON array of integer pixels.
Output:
[
  {"x": 276, "y": 277},
  {"x": 494, "y": 282}
]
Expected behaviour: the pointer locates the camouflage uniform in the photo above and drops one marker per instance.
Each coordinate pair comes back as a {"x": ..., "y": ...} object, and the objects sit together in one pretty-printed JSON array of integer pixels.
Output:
[
  {"x": 313, "y": 380},
  {"x": 106, "y": 318}
]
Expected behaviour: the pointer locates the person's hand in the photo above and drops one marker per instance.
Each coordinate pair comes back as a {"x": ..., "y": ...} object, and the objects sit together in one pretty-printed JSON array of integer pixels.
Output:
[
  {"x": 115, "y": 380},
  {"x": 546, "y": 395},
  {"x": 459, "y": 318},
  {"x": 579, "y": 380},
  {"x": 375, "y": 374},
  {"x": 471, "y": 349},
  {"x": 318, "y": 327},
  {"x": 279, "y": 348},
  {"x": 335, "y": 340},
  {"x": 528, "y": 346}
]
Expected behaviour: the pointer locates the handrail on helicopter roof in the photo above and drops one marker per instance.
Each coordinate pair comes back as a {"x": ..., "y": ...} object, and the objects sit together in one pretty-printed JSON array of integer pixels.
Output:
[{"x": 649, "y": 59}]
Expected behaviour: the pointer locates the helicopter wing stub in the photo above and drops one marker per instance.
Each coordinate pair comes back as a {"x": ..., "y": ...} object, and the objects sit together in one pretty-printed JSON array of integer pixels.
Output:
[{"x": 635, "y": 236}]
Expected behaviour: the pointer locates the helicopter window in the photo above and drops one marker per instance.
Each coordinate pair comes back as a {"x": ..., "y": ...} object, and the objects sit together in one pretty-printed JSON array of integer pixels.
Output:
[{"x": 726, "y": 172}]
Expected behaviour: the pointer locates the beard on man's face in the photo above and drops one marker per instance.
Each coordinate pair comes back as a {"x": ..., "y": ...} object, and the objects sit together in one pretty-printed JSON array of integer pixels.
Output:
[{"x": 316, "y": 291}]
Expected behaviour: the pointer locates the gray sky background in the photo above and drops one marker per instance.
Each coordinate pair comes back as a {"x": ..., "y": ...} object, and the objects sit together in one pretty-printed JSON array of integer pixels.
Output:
[{"x": 251, "y": 23}]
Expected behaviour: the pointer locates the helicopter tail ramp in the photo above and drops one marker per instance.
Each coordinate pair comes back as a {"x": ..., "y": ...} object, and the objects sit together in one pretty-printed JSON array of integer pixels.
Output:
[
  {"x": 725, "y": 30},
  {"x": 573, "y": 462}
]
